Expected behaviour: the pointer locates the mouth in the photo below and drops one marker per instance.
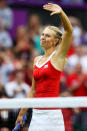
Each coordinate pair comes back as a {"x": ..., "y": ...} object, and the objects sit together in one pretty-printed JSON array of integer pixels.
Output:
[{"x": 43, "y": 41}]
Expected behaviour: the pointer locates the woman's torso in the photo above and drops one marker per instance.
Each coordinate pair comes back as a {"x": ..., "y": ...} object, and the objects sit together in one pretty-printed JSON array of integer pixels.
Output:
[{"x": 47, "y": 79}]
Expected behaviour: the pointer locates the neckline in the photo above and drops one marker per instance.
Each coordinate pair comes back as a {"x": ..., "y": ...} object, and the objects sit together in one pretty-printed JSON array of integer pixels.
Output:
[{"x": 45, "y": 61}]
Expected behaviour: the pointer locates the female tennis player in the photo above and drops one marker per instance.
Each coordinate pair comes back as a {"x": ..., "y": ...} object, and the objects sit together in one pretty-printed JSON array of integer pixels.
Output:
[{"x": 47, "y": 71}]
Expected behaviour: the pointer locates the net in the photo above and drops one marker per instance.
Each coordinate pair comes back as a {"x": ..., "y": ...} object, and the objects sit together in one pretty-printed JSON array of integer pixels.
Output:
[
  {"x": 74, "y": 110},
  {"x": 63, "y": 102}
]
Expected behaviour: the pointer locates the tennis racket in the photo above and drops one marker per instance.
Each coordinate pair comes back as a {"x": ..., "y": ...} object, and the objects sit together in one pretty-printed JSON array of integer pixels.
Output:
[{"x": 17, "y": 127}]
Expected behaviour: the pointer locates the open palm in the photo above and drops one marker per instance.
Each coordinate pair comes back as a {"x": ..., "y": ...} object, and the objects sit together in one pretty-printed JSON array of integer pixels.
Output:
[{"x": 54, "y": 8}]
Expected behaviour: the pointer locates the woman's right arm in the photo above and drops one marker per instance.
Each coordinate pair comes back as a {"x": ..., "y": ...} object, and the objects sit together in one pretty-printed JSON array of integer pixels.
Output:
[{"x": 31, "y": 94}]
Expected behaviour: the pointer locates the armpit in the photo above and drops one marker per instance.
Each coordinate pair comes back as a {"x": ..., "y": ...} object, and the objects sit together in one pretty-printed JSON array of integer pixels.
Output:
[{"x": 59, "y": 64}]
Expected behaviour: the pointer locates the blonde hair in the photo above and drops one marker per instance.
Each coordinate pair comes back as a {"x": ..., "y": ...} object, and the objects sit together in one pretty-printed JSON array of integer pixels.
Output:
[{"x": 58, "y": 33}]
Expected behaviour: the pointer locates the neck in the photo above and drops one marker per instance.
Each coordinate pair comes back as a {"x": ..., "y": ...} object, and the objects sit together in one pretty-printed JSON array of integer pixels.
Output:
[{"x": 48, "y": 52}]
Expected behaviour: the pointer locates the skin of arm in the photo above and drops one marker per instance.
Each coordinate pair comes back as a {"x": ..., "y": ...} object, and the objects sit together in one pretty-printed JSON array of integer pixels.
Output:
[
  {"x": 67, "y": 37},
  {"x": 31, "y": 94},
  {"x": 59, "y": 58}
]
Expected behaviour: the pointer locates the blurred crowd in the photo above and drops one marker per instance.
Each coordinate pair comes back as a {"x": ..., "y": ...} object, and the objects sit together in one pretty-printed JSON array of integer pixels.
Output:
[
  {"x": 66, "y": 1},
  {"x": 16, "y": 67},
  {"x": 74, "y": 1},
  {"x": 74, "y": 77}
]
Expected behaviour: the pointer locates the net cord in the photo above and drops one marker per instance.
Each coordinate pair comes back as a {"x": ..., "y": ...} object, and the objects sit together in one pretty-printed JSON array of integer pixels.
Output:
[{"x": 61, "y": 102}]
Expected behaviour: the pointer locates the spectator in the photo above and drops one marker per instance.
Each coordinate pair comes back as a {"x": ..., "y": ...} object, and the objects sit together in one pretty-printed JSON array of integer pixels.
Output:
[
  {"x": 77, "y": 84},
  {"x": 79, "y": 33},
  {"x": 5, "y": 39},
  {"x": 22, "y": 42},
  {"x": 67, "y": 112},
  {"x": 6, "y": 116},
  {"x": 17, "y": 88},
  {"x": 9, "y": 52},
  {"x": 34, "y": 29},
  {"x": 6, "y": 14},
  {"x": 6, "y": 67},
  {"x": 20, "y": 35},
  {"x": 2, "y": 91},
  {"x": 63, "y": 81},
  {"x": 34, "y": 25},
  {"x": 27, "y": 69},
  {"x": 25, "y": 51},
  {"x": 79, "y": 56}
]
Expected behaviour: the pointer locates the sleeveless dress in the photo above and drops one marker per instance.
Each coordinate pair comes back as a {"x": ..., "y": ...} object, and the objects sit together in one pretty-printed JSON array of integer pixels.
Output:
[{"x": 47, "y": 80}]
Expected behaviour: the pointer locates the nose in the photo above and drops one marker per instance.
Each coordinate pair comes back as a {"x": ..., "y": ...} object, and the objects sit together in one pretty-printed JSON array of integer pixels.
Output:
[{"x": 42, "y": 37}]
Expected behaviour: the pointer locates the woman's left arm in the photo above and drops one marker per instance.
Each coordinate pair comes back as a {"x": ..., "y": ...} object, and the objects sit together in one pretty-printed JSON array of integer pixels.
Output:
[{"x": 67, "y": 37}]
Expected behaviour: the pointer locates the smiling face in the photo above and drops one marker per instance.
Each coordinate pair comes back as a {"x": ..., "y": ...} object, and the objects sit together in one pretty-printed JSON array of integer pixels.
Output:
[{"x": 48, "y": 39}]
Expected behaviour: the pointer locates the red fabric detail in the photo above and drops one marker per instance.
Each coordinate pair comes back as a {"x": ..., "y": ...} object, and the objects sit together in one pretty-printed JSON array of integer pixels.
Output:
[{"x": 47, "y": 80}]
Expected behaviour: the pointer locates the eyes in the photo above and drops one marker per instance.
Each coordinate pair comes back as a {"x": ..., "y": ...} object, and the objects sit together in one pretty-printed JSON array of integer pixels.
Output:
[{"x": 46, "y": 35}]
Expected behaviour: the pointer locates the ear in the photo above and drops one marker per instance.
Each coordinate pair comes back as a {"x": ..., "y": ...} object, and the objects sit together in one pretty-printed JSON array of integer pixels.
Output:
[{"x": 56, "y": 41}]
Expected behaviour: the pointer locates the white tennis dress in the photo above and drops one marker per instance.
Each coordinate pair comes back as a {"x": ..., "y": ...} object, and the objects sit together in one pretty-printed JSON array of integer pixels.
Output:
[{"x": 47, "y": 120}]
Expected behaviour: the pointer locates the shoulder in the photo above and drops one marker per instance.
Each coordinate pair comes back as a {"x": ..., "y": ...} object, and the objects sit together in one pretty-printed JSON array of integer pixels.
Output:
[{"x": 36, "y": 59}]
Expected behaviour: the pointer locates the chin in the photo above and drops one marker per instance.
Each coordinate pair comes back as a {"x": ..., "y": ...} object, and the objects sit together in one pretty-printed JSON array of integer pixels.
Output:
[{"x": 43, "y": 44}]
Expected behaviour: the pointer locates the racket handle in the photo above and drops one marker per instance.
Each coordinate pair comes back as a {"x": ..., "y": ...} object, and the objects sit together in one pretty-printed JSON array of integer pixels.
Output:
[{"x": 17, "y": 127}]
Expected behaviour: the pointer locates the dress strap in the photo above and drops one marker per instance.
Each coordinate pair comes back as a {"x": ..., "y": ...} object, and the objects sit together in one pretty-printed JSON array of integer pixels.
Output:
[{"x": 51, "y": 55}]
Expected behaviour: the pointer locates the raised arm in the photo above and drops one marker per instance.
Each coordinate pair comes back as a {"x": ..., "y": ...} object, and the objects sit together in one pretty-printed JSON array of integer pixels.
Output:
[
  {"x": 67, "y": 37},
  {"x": 61, "y": 51}
]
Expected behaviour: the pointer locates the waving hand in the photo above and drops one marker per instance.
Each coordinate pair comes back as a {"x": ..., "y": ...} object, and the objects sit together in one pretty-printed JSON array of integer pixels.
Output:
[{"x": 53, "y": 8}]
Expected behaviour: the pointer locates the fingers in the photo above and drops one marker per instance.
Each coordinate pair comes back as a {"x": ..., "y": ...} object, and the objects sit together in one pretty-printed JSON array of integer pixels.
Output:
[
  {"x": 21, "y": 123},
  {"x": 50, "y": 5},
  {"x": 53, "y": 13},
  {"x": 16, "y": 122},
  {"x": 47, "y": 7}
]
